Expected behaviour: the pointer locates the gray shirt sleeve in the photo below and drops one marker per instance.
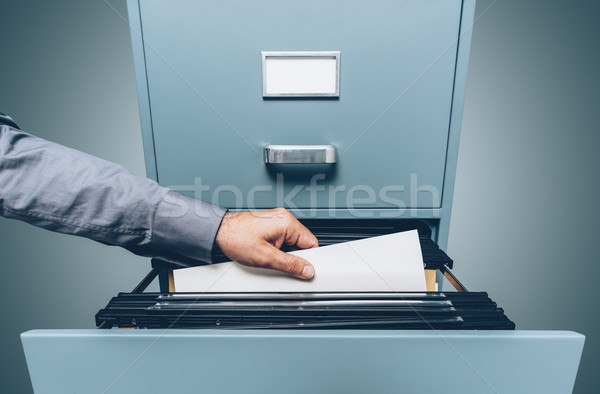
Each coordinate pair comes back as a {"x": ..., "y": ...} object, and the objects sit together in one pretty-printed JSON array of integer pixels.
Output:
[{"x": 64, "y": 190}]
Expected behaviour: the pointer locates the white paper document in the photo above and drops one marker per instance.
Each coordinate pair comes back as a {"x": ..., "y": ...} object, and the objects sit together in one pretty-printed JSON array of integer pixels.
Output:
[{"x": 386, "y": 263}]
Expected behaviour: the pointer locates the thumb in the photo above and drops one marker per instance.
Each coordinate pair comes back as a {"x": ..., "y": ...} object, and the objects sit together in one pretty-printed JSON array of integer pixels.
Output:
[{"x": 288, "y": 263}]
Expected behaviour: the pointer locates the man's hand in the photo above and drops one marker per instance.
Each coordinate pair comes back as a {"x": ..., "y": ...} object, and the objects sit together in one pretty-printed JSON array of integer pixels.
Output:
[{"x": 254, "y": 239}]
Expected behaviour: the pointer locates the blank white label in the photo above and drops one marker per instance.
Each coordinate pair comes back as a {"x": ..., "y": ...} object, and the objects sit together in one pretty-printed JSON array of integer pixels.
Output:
[{"x": 307, "y": 75}]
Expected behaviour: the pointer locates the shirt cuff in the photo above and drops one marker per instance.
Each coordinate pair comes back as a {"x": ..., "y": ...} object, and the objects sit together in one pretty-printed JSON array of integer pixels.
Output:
[{"x": 186, "y": 226}]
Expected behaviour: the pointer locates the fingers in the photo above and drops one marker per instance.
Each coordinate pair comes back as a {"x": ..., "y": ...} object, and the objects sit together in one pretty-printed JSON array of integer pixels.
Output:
[
  {"x": 288, "y": 263},
  {"x": 298, "y": 235},
  {"x": 254, "y": 239},
  {"x": 306, "y": 239}
]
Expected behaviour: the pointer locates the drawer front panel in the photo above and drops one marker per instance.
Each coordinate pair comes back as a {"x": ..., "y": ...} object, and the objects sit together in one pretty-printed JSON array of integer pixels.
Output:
[{"x": 389, "y": 124}]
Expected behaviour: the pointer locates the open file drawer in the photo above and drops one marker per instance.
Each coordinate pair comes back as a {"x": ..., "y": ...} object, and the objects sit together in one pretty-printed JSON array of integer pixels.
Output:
[
  {"x": 226, "y": 358},
  {"x": 349, "y": 359},
  {"x": 371, "y": 135}
]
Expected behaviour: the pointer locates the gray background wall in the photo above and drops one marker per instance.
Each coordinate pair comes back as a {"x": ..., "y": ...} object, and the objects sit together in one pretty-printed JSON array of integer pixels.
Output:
[{"x": 525, "y": 219}]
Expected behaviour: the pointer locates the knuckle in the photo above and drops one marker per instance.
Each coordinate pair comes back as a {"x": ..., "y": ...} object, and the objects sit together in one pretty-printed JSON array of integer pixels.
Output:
[{"x": 281, "y": 212}]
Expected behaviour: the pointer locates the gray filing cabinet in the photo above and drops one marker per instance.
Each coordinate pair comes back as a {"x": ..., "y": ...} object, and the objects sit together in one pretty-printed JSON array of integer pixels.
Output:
[{"x": 390, "y": 105}]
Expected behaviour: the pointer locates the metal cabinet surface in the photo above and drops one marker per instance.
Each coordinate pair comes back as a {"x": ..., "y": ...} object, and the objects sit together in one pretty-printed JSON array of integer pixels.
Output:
[
  {"x": 390, "y": 125},
  {"x": 296, "y": 361}
]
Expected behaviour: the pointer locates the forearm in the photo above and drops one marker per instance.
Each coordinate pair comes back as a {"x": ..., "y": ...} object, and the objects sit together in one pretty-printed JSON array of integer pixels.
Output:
[{"x": 68, "y": 191}]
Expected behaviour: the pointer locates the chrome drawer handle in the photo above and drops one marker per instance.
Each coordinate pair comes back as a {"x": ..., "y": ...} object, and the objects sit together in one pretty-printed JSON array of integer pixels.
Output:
[{"x": 300, "y": 154}]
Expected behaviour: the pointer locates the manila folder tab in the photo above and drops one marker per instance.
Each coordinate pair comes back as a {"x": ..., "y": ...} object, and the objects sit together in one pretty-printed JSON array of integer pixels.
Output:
[{"x": 390, "y": 262}]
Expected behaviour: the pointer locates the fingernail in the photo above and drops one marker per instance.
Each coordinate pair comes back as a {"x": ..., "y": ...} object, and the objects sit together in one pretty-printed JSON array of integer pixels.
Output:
[{"x": 308, "y": 272}]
